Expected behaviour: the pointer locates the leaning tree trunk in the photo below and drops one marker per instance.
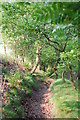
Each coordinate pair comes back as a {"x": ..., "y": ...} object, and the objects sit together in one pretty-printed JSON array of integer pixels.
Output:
[
  {"x": 37, "y": 61},
  {"x": 63, "y": 76}
]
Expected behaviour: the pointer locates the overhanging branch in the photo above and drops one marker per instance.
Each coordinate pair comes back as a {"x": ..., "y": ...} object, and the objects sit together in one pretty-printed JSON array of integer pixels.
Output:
[{"x": 50, "y": 40}]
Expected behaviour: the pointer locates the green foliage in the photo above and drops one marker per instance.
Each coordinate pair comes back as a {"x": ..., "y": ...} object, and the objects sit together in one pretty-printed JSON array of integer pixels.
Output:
[
  {"x": 13, "y": 91},
  {"x": 9, "y": 113},
  {"x": 13, "y": 110},
  {"x": 27, "y": 65},
  {"x": 28, "y": 24},
  {"x": 17, "y": 92},
  {"x": 69, "y": 57},
  {"x": 53, "y": 76},
  {"x": 14, "y": 78},
  {"x": 48, "y": 56},
  {"x": 4, "y": 71}
]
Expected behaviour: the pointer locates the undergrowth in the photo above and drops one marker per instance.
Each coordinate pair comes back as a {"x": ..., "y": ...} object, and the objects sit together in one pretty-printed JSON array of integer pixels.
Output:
[
  {"x": 19, "y": 87},
  {"x": 65, "y": 99}
]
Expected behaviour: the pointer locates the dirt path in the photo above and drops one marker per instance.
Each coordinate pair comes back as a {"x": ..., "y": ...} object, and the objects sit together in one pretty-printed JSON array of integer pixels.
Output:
[{"x": 39, "y": 105}]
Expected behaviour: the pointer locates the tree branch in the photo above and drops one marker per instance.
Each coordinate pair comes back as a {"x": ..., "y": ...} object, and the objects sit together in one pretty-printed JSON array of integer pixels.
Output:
[
  {"x": 55, "y": 43},
  {"x": 55, "y": 47},
  {"x": 65, "y": 46},
  {"x": 50, "y": 40}
]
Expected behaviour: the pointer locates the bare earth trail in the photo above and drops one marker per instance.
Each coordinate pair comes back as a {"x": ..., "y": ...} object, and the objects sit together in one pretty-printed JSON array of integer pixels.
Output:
[{"x": 39, "y": 105}]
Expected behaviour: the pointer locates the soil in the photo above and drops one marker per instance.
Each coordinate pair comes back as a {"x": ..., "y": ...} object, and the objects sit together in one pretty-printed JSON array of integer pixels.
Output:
[{"x": 39, "y": 105}]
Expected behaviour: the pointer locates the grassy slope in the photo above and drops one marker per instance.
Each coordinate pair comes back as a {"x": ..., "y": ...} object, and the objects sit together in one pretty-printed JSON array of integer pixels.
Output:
[
  {"x": 16, "y": 94},
  {"x": 65, "y": 99}
]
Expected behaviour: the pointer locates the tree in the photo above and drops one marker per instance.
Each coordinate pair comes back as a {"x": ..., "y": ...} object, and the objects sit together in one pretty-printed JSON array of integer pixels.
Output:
[{"x": 43, "y": 24}]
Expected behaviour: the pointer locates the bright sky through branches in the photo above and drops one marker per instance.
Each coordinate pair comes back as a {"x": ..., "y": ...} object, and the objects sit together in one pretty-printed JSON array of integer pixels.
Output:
[{"x": 2, "y": 46}]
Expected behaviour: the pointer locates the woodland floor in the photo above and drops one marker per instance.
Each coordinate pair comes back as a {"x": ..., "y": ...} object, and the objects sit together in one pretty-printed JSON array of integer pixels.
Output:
[{"x": 38, "y": 104}]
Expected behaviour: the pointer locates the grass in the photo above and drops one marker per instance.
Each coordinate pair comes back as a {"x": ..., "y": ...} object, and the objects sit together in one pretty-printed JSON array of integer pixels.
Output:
[
  {"x": 17, "y": 92},
  {"x": 65, "y": 99}
]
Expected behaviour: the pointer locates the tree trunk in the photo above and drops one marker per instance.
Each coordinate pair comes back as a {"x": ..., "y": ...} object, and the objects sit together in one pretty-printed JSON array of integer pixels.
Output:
[
  {"x": 32, "y": 61},
  {"x": 71, "y": 78},
  {"x": 5, "y": 49},
  {"x": 37, "y": 61},
  {"x": 63, "y": 76},
  {"x": 55, "y": 71},
  {"x": 44, "y": 69}
]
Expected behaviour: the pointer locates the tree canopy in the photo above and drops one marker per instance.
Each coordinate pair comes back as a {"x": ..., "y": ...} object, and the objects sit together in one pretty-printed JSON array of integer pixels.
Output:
[{"x": 51, "y": 26}]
